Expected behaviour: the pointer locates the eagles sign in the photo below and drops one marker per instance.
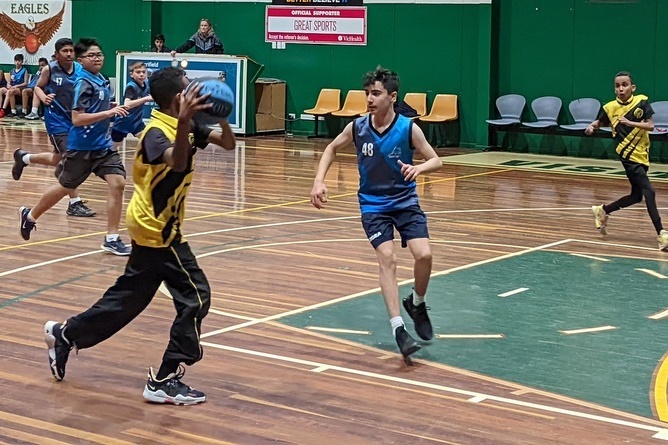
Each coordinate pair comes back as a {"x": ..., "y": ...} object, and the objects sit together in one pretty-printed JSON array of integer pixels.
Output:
[{"x": 30, "y": 35}]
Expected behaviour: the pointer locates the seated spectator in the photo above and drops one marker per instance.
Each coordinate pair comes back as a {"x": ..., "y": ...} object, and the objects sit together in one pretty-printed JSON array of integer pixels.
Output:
[
  {"x": 3, "y": 85},
  {"x": 18, "y": 79},
  {"x": 205, "y": 41},
  {"x": 159, "y": 44},
  {"x": 28, "y": 92}
]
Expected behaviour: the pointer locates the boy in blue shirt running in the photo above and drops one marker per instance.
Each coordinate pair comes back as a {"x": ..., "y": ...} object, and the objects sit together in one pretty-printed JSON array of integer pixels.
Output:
[
  {"x": 385, "y": 143},
  {"x": 89, "y": 148}
]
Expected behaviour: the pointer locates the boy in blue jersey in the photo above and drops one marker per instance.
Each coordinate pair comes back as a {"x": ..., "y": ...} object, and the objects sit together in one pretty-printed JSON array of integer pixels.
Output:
[
  {"x": 55, "y": 88},
  {"x": 385, "y": 142},
  {"x": 29, "y": 92},
  {"x": 88, "y": 148},
  {"x": 135, "y": 96},
  {"x": 18, "y": 79}
]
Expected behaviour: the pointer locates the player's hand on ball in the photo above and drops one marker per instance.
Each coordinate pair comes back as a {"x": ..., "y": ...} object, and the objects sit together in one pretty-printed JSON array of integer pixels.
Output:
[
  {"x": 409, "y": 171},
  {"x": 190, "y": 102},
  {"x": 319, "y": 195}
]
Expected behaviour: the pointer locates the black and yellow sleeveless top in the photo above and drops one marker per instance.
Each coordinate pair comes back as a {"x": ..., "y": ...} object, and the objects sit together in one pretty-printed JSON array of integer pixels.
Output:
[
  {"x": 632, "y": 142},
  {"x": 157, "y": 208}
]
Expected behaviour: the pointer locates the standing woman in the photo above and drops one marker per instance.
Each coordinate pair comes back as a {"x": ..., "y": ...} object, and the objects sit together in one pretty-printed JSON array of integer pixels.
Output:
[{"x": 204, "y": 40}]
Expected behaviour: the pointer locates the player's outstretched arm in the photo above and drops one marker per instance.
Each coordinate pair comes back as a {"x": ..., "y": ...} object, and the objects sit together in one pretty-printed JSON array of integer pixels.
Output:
[{"x": 319, "y": 190}]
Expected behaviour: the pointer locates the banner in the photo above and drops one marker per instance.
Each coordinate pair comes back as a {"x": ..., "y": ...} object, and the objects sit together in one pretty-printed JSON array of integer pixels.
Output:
[
  {"x": 229, "y": 71},
  {"x": 31, "y": 28},
  {"x": 340, "y": 25},
  {"x": 318, "y": 2}
]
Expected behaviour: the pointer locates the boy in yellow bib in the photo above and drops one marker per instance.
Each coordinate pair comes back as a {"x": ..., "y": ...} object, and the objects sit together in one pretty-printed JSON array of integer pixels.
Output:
[
  {"x": 162, "y": 173},
  {"x": 630, "y": 118}
]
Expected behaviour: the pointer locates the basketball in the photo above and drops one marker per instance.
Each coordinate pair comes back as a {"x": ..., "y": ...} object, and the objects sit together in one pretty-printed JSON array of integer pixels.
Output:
[
  {"x": 31, "y": 43},
  {"x": 221, "y": 98}
]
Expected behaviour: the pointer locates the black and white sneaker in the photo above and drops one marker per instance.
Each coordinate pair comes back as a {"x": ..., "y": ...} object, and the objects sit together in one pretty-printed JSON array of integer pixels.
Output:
[
  {"x": 25, "y": 225},
  {"x": 171, "y": 389},
  {"x": 79, "y": 209},
  {"x": 19, "y": 165},
  {"x": 117, "y": 247},
  {"x": 59, "y": 348},
  {"x": 420, "y": 318}
]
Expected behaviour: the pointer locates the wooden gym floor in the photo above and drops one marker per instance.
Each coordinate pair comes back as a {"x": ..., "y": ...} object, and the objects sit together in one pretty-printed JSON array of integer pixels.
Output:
[{"x": 298, "y": 348}]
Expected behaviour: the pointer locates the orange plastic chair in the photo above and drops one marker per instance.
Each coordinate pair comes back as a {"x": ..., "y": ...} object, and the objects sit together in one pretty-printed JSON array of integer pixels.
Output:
[
  {"x": 329, "y": 100},
  {"x": 354, "y": 105},
  {"x": 444, "y": 109},
  {"x": 418, "y": 101}
]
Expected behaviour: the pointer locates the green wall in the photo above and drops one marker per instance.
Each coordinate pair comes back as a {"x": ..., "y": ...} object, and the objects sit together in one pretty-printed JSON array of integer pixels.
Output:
[
  {"x": 572, "y": 49},
  {"x": 434, "y": 48}
]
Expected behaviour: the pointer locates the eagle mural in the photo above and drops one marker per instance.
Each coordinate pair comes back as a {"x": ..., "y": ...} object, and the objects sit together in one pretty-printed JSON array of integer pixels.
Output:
[{"x": 30, "y": 35}]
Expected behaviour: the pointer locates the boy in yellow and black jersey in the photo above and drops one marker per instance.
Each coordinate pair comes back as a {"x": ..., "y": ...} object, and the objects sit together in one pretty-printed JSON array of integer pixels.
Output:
[
  {"x": 630, "y": 118},
  {"x": 162, "y": 174}
]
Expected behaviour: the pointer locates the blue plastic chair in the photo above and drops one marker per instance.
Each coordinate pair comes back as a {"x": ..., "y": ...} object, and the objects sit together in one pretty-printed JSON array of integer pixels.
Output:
[
  {"x": 660, "y": 117},
  {"x": 584, "y": 112},
  {"x": 546, "y": 109},
  {"x": 510, "y": 108}
]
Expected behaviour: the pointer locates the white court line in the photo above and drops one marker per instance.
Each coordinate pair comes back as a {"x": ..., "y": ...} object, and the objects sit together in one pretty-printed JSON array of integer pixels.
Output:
[
  {"x": 652, "y": 273},
  {"x": 370, "y": 291},
  {"x": 233, "y": 229},
  {"x": 659, "y": 315},
  {"x": 513, "y": 292},
  {"x": 477, "y": 399},
  {"x": 588, "y": 330},
  {"x": 337, "y": 330},
  {"x": 590, "y": 257},
  {"x": 603, "y": 243},
  {"x": 660, "y": 433},
  {"x": 46, "y": 263},
  {"x": 467, "y": 336}
]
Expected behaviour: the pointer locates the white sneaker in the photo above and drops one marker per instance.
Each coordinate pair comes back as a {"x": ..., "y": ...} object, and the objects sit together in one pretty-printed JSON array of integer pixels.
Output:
[
  {"x": 32, "y": 116},
  {"x": 600, "y": 218},
  {"x": 663, "y": 241}
]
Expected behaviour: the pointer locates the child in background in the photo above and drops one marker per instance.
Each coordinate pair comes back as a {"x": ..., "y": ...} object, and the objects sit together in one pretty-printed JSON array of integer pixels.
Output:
[{"x": 135, "y": 96}]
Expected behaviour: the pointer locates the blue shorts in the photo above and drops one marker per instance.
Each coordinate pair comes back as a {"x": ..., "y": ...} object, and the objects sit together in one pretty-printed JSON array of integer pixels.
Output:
[
  {"x": 118, "y": 135},
  {"x": 411, "y": 223}
]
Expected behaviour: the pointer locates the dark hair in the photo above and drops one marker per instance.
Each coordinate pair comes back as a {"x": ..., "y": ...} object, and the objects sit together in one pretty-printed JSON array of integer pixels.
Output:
[
  {"x": 165, "y": 84},
  {"x": 160, "y": 37},
  {"x": 65, "y": 41},
  {"x": 624, "y": 73},
  {"x": 389, "y": 79},
  {"x": 18, "y": 57},
  {"x": 84, "y": 45},
  {"x": 43, "y": 59}
]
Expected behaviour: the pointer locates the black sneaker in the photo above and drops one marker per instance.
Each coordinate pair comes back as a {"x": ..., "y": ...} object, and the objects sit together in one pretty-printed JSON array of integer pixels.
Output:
[
  {"x": 79, "y": 209},
  {"x": 59, "y": 348},
  {"x": 171, "y": 390},
  {"x": 407, "y": 344},
  {"x": 19, "y": 165},
  {"x": 25, "y": 226},
  {"x": 117, "y": 247},
  {"x": 420, "y": 318}
]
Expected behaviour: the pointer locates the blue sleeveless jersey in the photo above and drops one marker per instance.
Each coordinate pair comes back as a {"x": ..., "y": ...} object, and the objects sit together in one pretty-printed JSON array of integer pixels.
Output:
[
  {"x": 133, "y": 120},
  {"x": 382, "y": 186},
  {"x": 91, "y": 95},
  {"x": 16, "y": 77},
  {"x": 58, "y": 115}
]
